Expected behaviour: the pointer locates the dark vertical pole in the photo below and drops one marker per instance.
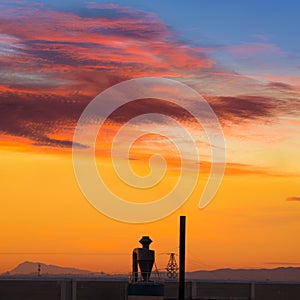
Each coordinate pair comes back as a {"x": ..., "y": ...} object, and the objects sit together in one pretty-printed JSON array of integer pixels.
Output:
[{"x": 182, "y": 258}]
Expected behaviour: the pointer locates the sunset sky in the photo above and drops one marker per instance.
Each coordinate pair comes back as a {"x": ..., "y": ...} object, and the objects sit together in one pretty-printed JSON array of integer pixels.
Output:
[{"x": 242, "y": 57}]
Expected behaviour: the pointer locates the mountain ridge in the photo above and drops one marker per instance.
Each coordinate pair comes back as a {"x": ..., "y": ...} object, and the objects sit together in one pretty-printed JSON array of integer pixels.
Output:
[
  {"x": 31, "y": 268},
  {"x": 292, "y": 274},
  {"x": 264, "y": 274}
]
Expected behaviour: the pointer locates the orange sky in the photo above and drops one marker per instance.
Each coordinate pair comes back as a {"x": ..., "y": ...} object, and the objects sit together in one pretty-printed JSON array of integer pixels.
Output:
[
  {"x": 46, "y": 218},
  {"x": 49, "y": 76}
]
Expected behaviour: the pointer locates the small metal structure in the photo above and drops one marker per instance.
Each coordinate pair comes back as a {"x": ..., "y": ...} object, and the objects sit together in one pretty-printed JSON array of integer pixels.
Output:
[
  {"x": 39, "y": 270},
  {"x": 172, "y": 267}
]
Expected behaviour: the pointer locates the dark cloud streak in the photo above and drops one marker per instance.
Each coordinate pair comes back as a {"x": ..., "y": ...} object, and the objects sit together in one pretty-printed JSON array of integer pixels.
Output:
[
  {"x": 293, "y": 199},
  {"x": 244, "y": 107},
  {"x": 280, "y": 85},
  {"x": 37, "y": 116}
]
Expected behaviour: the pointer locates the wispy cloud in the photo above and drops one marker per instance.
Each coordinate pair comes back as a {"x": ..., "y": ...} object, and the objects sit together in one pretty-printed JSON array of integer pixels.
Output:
[
  {"x": 293, "y": 199},
  {"x": 280, "y": 85},
  {"x": 55, "y": 62},
  {"x": 247, "y": 49},
  {"x": 109, "y": 39},
  {"x": 244, "y": 107},
  {"x": 261, "y": 37},
  {"x": 35, "y": 116}
]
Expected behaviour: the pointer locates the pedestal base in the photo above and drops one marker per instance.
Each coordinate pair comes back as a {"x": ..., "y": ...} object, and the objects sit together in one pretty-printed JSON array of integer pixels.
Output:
[{"x": 145, "y": 291}]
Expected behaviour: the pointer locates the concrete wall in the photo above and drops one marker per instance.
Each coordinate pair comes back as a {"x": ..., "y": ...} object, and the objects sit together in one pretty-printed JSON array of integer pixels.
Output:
[
  {"x": 30, "y": 290},
  {"x": 62, "y": 290},
  {"x": 277, "y": 291},
  {"x": 197, "y": 290},
  {"x": 171, "y": 290},
  {"x": 221, "y": 289},
  {"x": 106, "y": 290},
  {"x": 83, "y": 289}
]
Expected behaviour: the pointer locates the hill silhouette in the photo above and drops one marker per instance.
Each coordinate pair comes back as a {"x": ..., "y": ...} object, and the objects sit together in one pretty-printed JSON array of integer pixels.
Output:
[
  {"x": 290, "y": 274},
  {"x": 277, "y": 274},
  {"x": 31, "y": 268}
]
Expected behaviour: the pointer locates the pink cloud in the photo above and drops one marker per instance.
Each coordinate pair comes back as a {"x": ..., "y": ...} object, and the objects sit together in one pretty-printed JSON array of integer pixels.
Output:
[
  {"x": 138, "y": 42},
  {"x": 292, "y": 80},
  {"x": 55, "y": 62},
  {"x": 261, "y": 37},
  {"x": 251, "y": 49}
]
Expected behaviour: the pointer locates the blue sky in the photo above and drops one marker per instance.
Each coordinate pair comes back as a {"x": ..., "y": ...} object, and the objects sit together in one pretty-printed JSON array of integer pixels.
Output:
[{"x": 226, "y": 22}]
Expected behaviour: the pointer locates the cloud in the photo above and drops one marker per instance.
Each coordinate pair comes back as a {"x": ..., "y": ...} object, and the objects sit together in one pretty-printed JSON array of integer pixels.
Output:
[
  {"x": 114, "y": 39},
  {"x": 293, "y": 199},
  {"x": 251, "y": 49},
  {"x": 37, "y": 117},
  {"x": 49, "y": 119},
  {"x": 244, "y": 107},
  {"x": 55, "y": 62},
  {"x": 280, "y": 85},
  {"x": 261, "y": 37}
]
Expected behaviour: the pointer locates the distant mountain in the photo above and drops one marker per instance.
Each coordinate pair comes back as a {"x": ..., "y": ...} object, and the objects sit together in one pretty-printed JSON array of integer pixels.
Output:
[
  {"x": 277, "y": 274},
  {"x": 31, "y": 268}
]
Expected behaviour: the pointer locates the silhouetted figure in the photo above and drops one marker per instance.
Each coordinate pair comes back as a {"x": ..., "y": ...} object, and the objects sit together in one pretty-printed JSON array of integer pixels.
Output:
[{"x": 143, "y": 258}]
